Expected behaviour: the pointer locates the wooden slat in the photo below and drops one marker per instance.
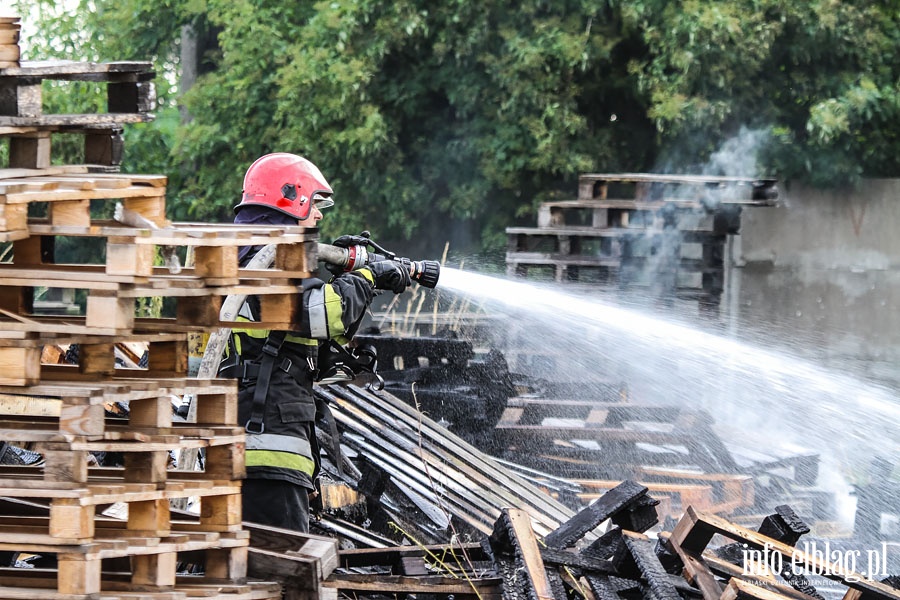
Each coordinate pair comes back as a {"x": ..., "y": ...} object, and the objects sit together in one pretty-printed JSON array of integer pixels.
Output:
[
  {"x": 60, "y": 194},
  {"x": 474, "y": 483},
  {"x": 72, "y": 121},
  {"x": 399, "y": 584},
  {"x": 68, "y": 69},
  {"x": 522, "y": 538}
]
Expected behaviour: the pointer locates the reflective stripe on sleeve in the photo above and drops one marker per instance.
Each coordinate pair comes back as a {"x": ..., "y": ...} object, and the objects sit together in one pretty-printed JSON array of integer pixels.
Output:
[
  {"x": 366, "y": 274},
  {"x": 279, "y": 443},
  {"x": 318, "y": 317},
  {"x": 335, "y": 310}
]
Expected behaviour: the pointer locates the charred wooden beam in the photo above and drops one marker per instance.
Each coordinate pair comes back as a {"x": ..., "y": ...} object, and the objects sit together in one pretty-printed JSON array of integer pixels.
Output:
[
  {"x": 785, "y": 525},
  {"x": 605, "y": 546},
  {"x": 643, "y": 555},
  {"x": 602, "y": 588},
  {"x": 639, "y": 515},
  {"x": 617, "y": 499},
  {"x": 514, "y": 538},
  {"x": 557, "y": 586},
  {"x": 586, "y": 564}
]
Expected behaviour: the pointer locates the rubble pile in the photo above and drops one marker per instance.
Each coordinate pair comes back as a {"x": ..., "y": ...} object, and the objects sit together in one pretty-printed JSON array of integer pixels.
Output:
[{"x": 602, "y": 552}]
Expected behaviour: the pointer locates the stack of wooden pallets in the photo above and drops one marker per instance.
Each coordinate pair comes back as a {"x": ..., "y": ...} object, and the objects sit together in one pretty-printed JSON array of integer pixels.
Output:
[
  {"x": 662, "y": 232},
  {"x": 57, "y": 410}
]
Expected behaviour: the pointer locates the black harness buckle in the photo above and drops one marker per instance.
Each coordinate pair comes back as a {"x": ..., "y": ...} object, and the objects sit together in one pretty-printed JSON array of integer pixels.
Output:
[
  {"x": 270, "y": 347},
  {"x": 249, "y": 429}
]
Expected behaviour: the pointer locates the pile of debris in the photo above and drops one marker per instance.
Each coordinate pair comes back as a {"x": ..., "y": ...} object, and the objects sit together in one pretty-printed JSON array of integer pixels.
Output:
[
  {"x": 575, "y": 440},
  {"x": 602, "y": 553}
]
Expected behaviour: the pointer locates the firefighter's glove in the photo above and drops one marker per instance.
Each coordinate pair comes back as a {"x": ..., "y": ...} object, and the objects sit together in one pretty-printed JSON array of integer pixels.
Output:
[
  {"x": 390, "y": 275},
  {"x": 345, "y": 241}
]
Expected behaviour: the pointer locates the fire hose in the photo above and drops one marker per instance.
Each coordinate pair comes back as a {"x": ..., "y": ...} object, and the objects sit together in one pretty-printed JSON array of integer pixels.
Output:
[{"x": 423, "y": 272}]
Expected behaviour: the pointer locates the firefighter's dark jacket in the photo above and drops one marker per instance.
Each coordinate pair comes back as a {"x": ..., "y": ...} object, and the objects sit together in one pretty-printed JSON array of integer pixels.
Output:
[{"x": 285, "y": 446}]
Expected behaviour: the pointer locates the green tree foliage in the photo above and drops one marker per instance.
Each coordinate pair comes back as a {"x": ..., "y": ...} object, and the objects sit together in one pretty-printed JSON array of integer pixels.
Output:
[
  {"x": 823, "y": 77},
  {"x": 429, "y": 115}
]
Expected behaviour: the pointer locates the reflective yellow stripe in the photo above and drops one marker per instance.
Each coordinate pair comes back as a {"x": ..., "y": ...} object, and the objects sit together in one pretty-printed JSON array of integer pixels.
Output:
[
  {"x": 333, "y": 308},
  {"x": 261, "y": 334},
  {"x": 367, "y": 273},
  {"x": 284, "y": 460}
]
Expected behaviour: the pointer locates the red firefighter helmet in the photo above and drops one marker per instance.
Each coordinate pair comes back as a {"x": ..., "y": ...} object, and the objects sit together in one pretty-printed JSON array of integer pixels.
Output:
[{"x": 287, "y": 183}]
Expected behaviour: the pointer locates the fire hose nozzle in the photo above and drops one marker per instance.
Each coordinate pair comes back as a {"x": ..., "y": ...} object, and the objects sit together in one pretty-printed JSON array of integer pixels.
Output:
[{"x": 424, "y": 272}]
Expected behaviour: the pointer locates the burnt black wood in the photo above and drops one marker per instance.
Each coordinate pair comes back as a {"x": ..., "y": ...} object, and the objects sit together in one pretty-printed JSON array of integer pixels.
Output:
[
  {"x": 598, "y": 511},
  {"x": 644, "y": 555},
  {"x": 605, "y": 546},
  {"x": 602, "y": 588},
  {"x": 588, "y": 564}
]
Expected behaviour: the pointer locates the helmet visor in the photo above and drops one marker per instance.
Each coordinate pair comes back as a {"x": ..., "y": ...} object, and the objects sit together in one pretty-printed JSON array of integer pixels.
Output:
[{"x": 322, "y": 201}]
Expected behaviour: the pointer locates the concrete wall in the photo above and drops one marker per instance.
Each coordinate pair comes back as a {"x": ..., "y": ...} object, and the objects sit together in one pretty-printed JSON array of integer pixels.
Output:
[{"x": 825, "y": 267}]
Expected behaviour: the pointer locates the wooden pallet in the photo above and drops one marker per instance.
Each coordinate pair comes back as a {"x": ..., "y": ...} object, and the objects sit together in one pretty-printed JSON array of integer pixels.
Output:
[
  {"x": 669, "y": 259},
  {"x": 149, "y": 536},
  {"x": 615, "y": 241},
  {"x": 620, "y": 434},
  {"x": 130, "y": 250},
  {"x": 130, "y": 98},
  {"x": 112, "y": 312},
  {"x": 25, "y": 364},
  {"x": 129, "y": 274},
  {"x": 695, "y": 282},
  {"x": 130, "y": 92},
  {"x": 731, "y": 491},
  {"x": 664, "y": 233},
  {"x": 67, "y": 198},
  {"x": 146, "y": 458},
  {"x": 633, "y": 215},
  {"x": 645, "y": 187},
  {"x": 71, "y": 519},
  {"x": 74, "y": 411},
  {"x": 59, "y": 410},
  {"x": 696, "y": 529}
]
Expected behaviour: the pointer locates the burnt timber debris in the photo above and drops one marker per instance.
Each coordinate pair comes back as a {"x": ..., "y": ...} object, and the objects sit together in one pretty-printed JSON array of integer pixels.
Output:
[{"x": 582, "y": 446}]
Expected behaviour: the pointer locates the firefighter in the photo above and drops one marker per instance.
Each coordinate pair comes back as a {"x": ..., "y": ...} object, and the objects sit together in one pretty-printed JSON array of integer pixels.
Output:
[{"x": 276, "y": 369}]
